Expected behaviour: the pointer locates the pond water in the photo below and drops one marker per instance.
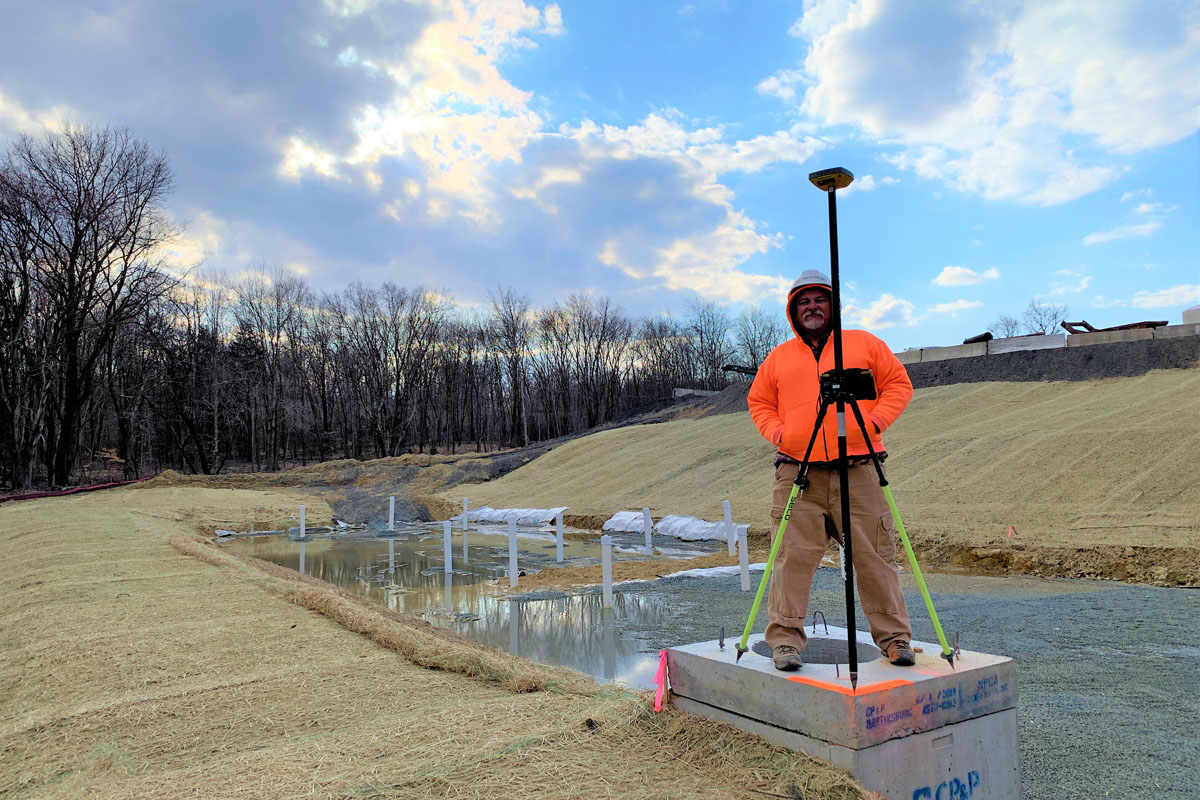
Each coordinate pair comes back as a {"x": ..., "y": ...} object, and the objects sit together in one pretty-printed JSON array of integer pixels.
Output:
[{"x": 405, "y": 571}]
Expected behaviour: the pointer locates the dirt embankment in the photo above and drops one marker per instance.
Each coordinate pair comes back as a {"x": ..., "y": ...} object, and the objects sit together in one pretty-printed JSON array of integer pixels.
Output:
[
  {"x": 358, "y": 491},
  {"x": 1094, "y": 478},
  {"x": 139, "y": 661}
]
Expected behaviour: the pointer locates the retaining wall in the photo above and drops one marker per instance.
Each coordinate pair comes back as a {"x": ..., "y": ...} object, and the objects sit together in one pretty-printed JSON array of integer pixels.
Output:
[{"x": 1059, "y": 359}]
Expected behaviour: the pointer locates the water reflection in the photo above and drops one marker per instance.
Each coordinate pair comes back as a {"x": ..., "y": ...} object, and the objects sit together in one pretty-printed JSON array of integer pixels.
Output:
[{"x": 406, "y": 572}]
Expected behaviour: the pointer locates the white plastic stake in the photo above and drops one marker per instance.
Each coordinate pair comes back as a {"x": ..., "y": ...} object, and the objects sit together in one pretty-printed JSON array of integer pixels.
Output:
[
  {"x": 446, "y": 549},
  {"x": 606, "y": 568},
  {"x": 647, "y": 526},
  {"x": 743, "y": 556},
  {"x": 512, "y": 553},
  {"x": 730, "y": 533},
  {"x": 558, "y": 537},
  {"x": 301, "y": 524},
  {"x": 465, "y": 514},
  {"x": 392, "y": 513}
]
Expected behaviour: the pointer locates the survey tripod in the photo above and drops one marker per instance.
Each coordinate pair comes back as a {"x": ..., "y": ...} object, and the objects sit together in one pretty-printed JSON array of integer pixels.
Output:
[{"x": 841, "y": 388}]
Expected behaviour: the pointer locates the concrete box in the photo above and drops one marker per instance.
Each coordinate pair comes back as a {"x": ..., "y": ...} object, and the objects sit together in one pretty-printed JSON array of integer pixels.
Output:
[
  {"x": 956, "y": 351},
  {"x": 903, "y": 732},
  {"x": 1015, "y": 343},
  {"x": 1105, "y": 337},
  {"x": 1171, "y": 331}
]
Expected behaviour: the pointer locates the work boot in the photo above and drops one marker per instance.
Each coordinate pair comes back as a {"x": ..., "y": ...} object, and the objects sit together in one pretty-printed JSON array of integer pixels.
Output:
[
  {"x": 786, "y": 658},
  {"x": 901, "y": 654}
]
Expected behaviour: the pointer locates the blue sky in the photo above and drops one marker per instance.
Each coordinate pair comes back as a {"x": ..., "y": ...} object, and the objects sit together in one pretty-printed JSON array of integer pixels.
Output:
[{"x": 658, "y": 152}]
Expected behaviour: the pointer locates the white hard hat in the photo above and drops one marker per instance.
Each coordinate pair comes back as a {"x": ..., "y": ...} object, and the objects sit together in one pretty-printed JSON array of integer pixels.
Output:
[{"x": 808, "y": 279}]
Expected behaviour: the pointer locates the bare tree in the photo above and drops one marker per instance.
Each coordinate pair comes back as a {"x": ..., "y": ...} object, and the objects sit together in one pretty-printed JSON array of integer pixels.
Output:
[
  {"x": 709, "y": 326},
  {"x": 512, "y": 327},
  {"x": 86, "y": 206},
  {"x": 1004, "y": 326},
  {"x": 1043, "y": 317},
  {"x": 757, "y": 333}
]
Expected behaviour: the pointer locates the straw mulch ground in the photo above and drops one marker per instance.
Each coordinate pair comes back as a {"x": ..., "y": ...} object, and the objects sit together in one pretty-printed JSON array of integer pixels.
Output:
[
  {"x": 1097, "y": 478},
  {"x": 139, "y": 661}
]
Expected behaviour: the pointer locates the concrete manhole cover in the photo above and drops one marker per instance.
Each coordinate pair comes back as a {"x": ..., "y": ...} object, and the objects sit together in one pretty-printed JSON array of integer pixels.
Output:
[{"x": 824, "y": 651}]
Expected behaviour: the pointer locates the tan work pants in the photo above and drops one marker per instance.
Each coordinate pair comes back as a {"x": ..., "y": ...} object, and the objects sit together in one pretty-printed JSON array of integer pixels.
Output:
[{"x": 817, "y": 517}]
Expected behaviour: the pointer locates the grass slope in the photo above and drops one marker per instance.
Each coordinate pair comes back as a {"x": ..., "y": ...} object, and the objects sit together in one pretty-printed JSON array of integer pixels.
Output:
[{"x": 1097, "y": 478}]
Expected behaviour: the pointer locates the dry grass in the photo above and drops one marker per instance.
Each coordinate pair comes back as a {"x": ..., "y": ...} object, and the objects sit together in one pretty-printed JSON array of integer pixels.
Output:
[{"x": 136, "y": 661}]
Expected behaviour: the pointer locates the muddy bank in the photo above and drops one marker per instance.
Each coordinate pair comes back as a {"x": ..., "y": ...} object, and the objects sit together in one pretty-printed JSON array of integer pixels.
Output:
[{"x": 1156, "y": 566}]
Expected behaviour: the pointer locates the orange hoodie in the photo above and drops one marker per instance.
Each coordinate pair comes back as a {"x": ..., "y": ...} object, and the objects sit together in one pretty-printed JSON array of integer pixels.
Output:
[{"x": 785, "y": 396}]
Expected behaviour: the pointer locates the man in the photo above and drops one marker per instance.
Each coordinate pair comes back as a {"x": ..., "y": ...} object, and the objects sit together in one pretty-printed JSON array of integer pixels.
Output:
[{"x": 784, "y": 400}]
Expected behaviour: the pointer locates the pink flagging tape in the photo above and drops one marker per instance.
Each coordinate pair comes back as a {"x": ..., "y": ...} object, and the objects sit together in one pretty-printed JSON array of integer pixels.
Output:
[
  {"x": 1010, "y": 531},
  {"x": 660, "y": 680}
]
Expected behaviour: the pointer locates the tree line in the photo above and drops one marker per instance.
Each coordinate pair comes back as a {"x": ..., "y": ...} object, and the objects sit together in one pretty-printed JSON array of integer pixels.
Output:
[{"x": 108, "y": 358}]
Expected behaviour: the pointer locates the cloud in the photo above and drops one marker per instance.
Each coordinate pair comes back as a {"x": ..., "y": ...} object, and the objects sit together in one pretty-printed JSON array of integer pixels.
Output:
[
  {"x": 366, "y": 140},
  {"x": 1153, "y": 208},
  {"x": 964, "y": 276},
  {"x": 1029, "y": 102},
  {"x": 782, "y": 84},
  {"x": 886, "y": 312},
  {"x": 1122, "y": 232},
  {"x": 553, "y": 22},
  {"x": 1058, "y": 289},
  {"x": 867, "y": 183},
  {"x": 16, "y": 118},
  {"x": 954, "y": 307},
  {"x": 1136, "y": 194},
  {"x": 1167, "y": 298}
]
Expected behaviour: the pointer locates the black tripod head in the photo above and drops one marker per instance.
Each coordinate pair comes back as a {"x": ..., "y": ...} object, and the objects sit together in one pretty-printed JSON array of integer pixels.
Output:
[{"x": 847, "y": 384}]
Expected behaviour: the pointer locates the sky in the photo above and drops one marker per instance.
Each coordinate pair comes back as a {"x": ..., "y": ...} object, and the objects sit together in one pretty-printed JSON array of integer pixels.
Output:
[{"x": 657, "y": 152}]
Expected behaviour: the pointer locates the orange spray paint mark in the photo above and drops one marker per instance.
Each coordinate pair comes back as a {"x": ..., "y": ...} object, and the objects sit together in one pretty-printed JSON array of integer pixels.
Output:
[{"x": 869, "y": 688}]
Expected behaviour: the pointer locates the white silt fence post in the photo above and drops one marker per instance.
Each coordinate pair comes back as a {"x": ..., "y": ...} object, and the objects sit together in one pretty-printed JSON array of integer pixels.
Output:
[
  {"x": 512, "y": 553},
  {"x": 730, "y": 532},
  {"x": 606, "y": 568},
  {"x": 392, "y": 513},
  {"x": 744, "y": 556},
  {"x": 301, "y": 522},
  {"x": 648, "y": 527},
  {"x": 465, "y": 507},
  {"x": 558, "y": 537},
  {"x": 446, "y": 548}
]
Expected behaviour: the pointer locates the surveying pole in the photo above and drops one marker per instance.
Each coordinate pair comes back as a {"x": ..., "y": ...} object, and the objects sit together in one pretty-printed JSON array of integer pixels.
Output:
[{"x": 829, "y": 181}]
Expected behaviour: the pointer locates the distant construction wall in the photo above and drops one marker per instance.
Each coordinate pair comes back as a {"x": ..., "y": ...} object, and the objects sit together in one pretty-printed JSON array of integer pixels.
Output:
[
  {"x": 1020, "y": 343},
  {"x": 1057, "y": 356}
]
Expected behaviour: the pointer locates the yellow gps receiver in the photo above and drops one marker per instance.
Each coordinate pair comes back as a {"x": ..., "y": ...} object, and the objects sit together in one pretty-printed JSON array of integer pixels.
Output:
[{"x": 829, "y": 179}]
